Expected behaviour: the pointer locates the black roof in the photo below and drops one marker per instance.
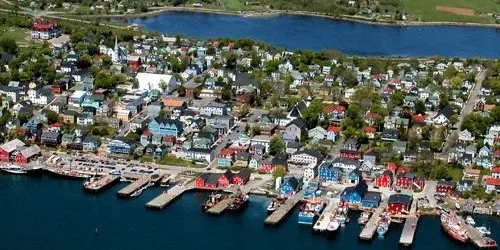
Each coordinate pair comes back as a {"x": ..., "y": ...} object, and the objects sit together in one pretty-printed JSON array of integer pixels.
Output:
[
  {"x": 400, "y": 198},
  {"x": 447, "y": 111},
  {"x": 299, "y": 122},
  {"x": 446, "y": 183},
  {"x": 372, "y": 196},
  {"x": 312, "y": 153},
  {"x": 295, "y": 112},
  {"x": 361, "y": 188},
  {"x": 292, "y": 181},
  {"x": 244, "y": 173},
  {"x": 210, "y": 178}
]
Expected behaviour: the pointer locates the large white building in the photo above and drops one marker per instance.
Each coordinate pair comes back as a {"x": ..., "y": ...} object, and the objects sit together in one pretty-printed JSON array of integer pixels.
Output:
[
  {"x": 77, "y": 98},
  {"x": 161, "y": 82},
  {"x": 117, "y": 54}
]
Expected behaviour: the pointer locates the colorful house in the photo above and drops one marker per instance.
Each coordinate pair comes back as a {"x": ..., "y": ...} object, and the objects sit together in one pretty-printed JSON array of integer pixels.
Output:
[
  {"x": 399, "y": 203},
  {"x": 7, "y": 149},
  {"x": 445, "y": 187},
  {"x": 242, "y": 177},
  {"x": 385, "y": 179},
  {"x": 371, "y": 199},
  {"x": 28, "y": 154},
  {"x": 355, "y": 176},
  {"x": 354, "y": 194},
  {"x": 328, "y": 173},
  {"x": 225, "y": 158},
  {"x": 291, "y": 185},
  {"x": 164, "y": 127},
  {"x": 408, "y": 181}
]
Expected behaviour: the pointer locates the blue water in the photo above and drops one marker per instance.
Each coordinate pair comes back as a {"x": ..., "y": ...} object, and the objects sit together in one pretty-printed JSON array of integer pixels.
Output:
[
  {"x": 47, "y": 213},
  {"x": 315, "y": 33}
]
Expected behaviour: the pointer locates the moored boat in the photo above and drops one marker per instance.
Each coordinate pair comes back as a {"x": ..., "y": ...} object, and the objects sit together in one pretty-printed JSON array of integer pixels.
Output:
[
  {"x": 383, "y": 224},
  {"x": 68, "y": 173},
  {"x": 212, "y": 200},
  {"x": 310, "y": 210},
  {"x": 470, "y": 221},
  {"x": 13, "y": 169},
  {"x": 275, "y": 204},
  {"x": 239, "y": 202},
  {"x": 452, "y": 226},
  {"x": 364, "y": 217},
  {"x": 333, "y": 225},
  {"x": 483, "y": 230}
]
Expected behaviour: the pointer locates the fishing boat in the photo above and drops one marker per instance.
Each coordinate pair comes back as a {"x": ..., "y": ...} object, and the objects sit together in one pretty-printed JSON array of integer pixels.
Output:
[
  {"x": 470, "y": 221},
  {"x": 68, "y": 173},
  {"x": 212, "y": 200},
  {"x": 239, "y": 202},
  {"x": 364, "y": 217},
  {"x": 13, "y": 169},
  {"x": 333, "y": 225},
  {"x": 138, "y": 191},
  {"x": 310, "y": 210},
  {"x": 383, "y": 224},
  {"x": 453, "y": 227},
  {"x": 483, "y": 230},
  {"x": 275, "y": 204},
  {"x": 165, "y": 181}
]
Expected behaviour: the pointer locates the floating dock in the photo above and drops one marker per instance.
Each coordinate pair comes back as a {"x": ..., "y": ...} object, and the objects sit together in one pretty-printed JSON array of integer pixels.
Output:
[
  {"x": 371, "y": 226},
  {"x": 100, "y": 183},
  {"x": 325, "y": 217},
  {"x": 162, "y": 200},
  {"x": 479, "y": 241},
  {"x": 134, "y": 186},
  {"x": 409, "y": 229},
  {"x": 220, "y": 207},
  {"x": 277, "y": 216}
]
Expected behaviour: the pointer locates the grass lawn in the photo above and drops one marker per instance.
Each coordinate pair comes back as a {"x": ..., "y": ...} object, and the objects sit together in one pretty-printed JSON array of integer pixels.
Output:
[
  {"x": 19, "y": 35},
  {"x": 425, "y": 10},
  {"x": 171, "y": 160},
  {"x": 456, "y": 173}
]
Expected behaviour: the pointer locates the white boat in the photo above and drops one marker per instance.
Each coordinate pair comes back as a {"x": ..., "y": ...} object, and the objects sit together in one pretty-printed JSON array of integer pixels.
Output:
[
  {"x": 484, "y": 231},
  {"x": 457, "y": 206},
  {"x": 13, "y": 169},
  {"x": 137, "y": 192},
  {"x": 333, "y": 225},
  {"x": 470, "y": 221}
]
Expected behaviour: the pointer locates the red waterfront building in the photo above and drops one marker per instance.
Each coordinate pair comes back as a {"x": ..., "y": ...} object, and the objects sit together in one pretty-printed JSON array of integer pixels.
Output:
[
  {"x": 385, "y": 179},
  {"x": 8, "y": 149},
  {"x": 399, "y": 203}
]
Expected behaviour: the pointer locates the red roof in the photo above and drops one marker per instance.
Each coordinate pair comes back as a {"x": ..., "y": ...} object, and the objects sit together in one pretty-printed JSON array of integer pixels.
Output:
[
  {"x": 392, "y": 166},
  {"x": 369, "y": 130},
  {"x": 169, "y": 138},
  {"x": 330, "y": 109},
  {"x": 334, "y": 129},
  {"x": 419, "y": 118},
  {"x": 57, "y": 124},
  {"x": 40, "y": 25},
  {"x": 371, "y": 115},
  {"x": 493, "y": 182},
  {"x": 495, "y": 170},
  {"x": 388, "y": 90},
  {"x": 147, "y": 132},
  {"x": 226, "y": 151},
  {"x": 403, "y": 170}
]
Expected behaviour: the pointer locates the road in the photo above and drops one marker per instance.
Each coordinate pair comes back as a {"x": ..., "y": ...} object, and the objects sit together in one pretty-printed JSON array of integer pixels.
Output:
[{"x": 467, "y": 109}]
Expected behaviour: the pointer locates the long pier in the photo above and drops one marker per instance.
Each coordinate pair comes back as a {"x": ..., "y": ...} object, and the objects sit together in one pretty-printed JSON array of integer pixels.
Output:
[
  {"x": 326, "y": 216},
  {"x": 277, "y": 216},
  {"x": 371, "y": 226},
  {"x": 165, "y": 198},
  {"x": 134, "y": 186},
  {"x": 409, "y": 229},
  {"x": 479, "y": 241},
  {"x": 220, "y": 207}
]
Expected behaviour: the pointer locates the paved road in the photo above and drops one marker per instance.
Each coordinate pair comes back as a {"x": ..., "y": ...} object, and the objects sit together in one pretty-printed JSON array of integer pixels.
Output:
[{"x": 467, "y": 109}]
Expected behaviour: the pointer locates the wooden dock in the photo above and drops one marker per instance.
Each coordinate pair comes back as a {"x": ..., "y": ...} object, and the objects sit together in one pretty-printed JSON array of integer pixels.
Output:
[
  {"x": 277, "y": 216},
  {"x": 479, "y": 241},
  {"x": 220, "y": 207},
  {"x": 132, "y": 187},
  {"x": 409, "y": 229},
  {"x": 165, "y": 198},
  {"x": 326, "y": 216},
  {"x": 371, "y": 226}
]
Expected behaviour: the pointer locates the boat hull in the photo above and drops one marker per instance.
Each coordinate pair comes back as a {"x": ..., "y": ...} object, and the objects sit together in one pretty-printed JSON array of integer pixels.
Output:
[
  {"x": 233, "y": 208},
  {"x": 454, "y": 236}
]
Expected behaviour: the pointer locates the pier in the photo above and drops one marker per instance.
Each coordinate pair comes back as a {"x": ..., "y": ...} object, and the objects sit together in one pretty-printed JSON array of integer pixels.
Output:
[
  {"x": 409, "y": 229},
  {"x": 478, "y": 240},
  {"x": 220, "y": 207},
  {"x": 162, "y": 200},
  {"x": 277, "y": 216},
  {"x": 371, "y": 226},
  {"x": 134, "y": 186},
  {"x": 100, "y": 184},
  {"x": 326, "y": 216}
]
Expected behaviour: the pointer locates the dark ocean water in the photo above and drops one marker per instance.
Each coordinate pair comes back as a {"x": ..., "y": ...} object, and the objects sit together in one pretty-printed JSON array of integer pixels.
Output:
[
  {"x": 48, "y": 213},
  {"x": 315, "y": 33}
]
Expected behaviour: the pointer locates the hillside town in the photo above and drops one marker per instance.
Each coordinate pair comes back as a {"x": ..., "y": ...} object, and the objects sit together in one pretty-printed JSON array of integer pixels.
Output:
[{"x": 407, "y": 128}]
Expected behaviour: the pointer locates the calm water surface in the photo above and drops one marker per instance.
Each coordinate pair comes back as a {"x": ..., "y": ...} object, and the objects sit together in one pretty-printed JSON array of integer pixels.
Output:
[
  {"x": 48, "y": 213},
  {"x": 316, "y": 33}
]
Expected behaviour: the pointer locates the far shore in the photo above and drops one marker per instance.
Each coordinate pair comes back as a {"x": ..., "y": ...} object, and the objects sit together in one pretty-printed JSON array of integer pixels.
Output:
[{"x": 254, "y": 14}]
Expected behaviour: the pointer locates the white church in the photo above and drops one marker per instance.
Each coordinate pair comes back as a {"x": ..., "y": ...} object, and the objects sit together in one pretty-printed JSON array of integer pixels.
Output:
[{"x": 117, "y": 54}]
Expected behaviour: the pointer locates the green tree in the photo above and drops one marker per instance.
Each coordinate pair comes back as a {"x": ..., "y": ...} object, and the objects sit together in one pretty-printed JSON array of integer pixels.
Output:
[
  {"x": 312, "y": 112},
  {"x": 420, "y": 107},
  {"x": 280, "y": 171},
  {"x": 276, "y": 146},
  {"x": 52, "y": 117},
  {"x": 181, "y": 90},
  {"x": 9, "y": 45}
]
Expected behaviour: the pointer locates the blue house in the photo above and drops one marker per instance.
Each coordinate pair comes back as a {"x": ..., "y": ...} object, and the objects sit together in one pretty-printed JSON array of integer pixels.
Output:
[
  {"x": 328, "y": 173},
  {"x": 371, "y": 200},
  {"x": 120, "y": 146},
  {"x": 355, "y": 176},
  {"x": 163, "y": 126},
  {"x": 33, "y": 125},
  {"x": 291, "y": 185},
  {"x": 311, "y": 189},
  {"x": 354, "y": 194}
]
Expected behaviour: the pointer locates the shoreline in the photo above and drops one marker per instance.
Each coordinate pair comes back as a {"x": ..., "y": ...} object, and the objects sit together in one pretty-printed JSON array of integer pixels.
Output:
[{"x": 276, "y": 13}]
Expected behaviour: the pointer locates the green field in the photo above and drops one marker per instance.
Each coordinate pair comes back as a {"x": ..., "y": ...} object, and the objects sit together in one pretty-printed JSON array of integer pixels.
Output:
[
  {"x": 425, "y": 10},
  {"x": 19, "y": 35}
]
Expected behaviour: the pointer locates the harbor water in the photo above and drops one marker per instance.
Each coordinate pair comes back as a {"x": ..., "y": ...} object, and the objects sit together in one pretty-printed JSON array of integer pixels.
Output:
[
  {"x": 42, "y": 212},
  {"x": 317, "y": 33}
]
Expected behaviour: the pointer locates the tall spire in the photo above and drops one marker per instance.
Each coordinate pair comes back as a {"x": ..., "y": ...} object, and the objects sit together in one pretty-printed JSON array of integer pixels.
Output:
[{"x": 116, "y": 56}]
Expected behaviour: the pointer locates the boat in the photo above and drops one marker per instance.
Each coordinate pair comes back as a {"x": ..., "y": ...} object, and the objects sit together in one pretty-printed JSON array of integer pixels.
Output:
[
  {"x": 484, "y": 231},
  {"x": 470, "y": 221},
  {"x": 453, "y": 227},
  {"x": 364, "y": 217},
  {"x": 310, "y": 210},
  {"x": 275, "y": 204},
  {"x": 333, "y": 225},
  {"x": 165, "y": 181},
  {"x": 138, "y": 191},
  {"x": 212, "y": 200},
  {"x": 14, "y": 169},
  {"x": 383, "y": 224},
  {"x": 240, "y": 200},
  {"x": 68, "y": 173}
]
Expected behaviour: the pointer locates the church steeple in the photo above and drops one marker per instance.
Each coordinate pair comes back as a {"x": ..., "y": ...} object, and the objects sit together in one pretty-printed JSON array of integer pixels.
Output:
[{"x": 116, "y": 50}]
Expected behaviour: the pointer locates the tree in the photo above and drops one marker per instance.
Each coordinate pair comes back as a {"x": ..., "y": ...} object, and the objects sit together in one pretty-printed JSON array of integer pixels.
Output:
[
  {"x": 255, "y": 130},
  {"x": 23, "y": 118},
  {"x": 420, "y": 107},
  {"x": 9, "y": 45},
  {"x": 312, "y": 112},
  {"x": 280, "y": 171},
  {"x": 76, "y": 37},
  {"x": 231, "y": 58},
  {"x": 276, "y": 146},
  {"x": 181, "y": 90},
  {"x": 52, "y": 117}
]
